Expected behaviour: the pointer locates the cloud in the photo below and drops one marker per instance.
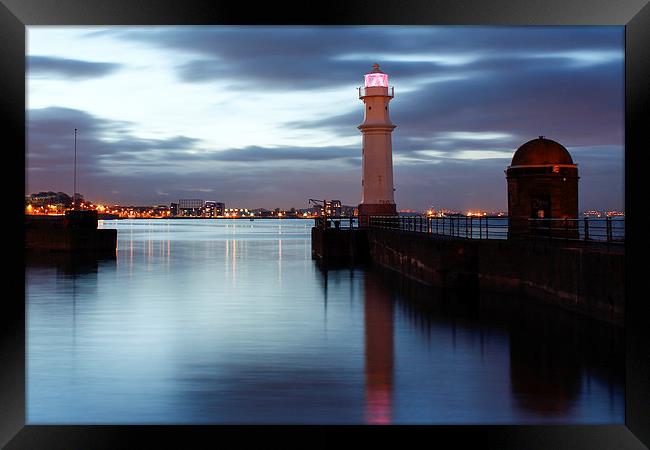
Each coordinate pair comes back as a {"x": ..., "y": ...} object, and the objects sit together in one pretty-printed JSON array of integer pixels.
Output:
[
  {"x": 284, "y": 153},
  {"x": 72, "y": 69},
  {"x": 146, "y": 171},
  {"x": 307, "y": 57},
  {"x": 110, "y": 157},
  {"x": 103, "y": 146},
  {"x": 500, "y": 110},
  {"x": 466, "y": 98}
]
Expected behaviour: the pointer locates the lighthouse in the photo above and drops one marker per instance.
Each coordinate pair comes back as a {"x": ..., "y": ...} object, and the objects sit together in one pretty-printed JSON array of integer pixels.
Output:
[{"x": 377, "y": 149}]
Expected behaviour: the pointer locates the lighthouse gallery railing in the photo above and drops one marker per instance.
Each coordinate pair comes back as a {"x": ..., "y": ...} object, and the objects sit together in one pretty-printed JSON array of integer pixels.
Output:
[{"x": 364, "y": 91}]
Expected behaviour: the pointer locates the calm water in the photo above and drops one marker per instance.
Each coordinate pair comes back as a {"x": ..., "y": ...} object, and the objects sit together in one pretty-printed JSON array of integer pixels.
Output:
[{"x": 232, "y": 322}]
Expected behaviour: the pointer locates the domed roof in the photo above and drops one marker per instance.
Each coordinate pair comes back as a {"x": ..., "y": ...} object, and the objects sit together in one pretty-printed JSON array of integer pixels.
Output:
[{"x": 541, "y": 151}]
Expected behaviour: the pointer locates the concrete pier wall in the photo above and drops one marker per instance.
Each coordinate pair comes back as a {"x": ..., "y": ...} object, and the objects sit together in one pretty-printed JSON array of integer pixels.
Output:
[
  {"x": 336, "y": 247},
  {"x": 56, "y": 234},
  {"x": 584, "y": 278}
]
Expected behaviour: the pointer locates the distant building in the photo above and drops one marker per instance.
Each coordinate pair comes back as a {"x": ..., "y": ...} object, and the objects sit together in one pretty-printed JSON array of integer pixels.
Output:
[
  {"x": 213, "y": 209},
  {"x": 444, "y": 212},
  {"x": 173, "y": 209},
  {"x": 50, "y": 198},
  {"x": 160, "y": 211},
  {"x": 347, "y": 211},
  {"x": 542, "y": 184},
  {"x": 237, "y": 212},
  {"x": 333, "y": 208},
  {"x": 190, "y": 207},
  {"x": 261, "y": 212},
  {"x": 42, "y": 198},
  {"x": 292, "y": 212}
]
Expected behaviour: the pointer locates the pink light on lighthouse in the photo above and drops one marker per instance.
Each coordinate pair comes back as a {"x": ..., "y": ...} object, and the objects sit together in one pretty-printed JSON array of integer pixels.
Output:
[{"x": 376, "y": 79}]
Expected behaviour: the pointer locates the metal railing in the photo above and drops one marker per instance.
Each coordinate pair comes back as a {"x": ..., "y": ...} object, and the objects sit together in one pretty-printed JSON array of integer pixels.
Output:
[
  {"x": 336, "y": 222},
  {"x": 363, "y": 91},
  {"x": 605, "y": 230},
  {"x": 608, "y": 229},
  {"x": 461, "y": 226}
]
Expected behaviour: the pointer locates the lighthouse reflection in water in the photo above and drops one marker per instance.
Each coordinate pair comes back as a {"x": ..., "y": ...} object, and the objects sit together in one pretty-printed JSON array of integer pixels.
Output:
[
  {"x": 229, "y": 322},
  {"x": 378, "y": 324}
]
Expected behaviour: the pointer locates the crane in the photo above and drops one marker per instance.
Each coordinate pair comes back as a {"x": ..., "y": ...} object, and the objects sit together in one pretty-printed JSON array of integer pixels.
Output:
[
  {"x": 315, "y": 201},
  {"x": 323, "y": 221}
]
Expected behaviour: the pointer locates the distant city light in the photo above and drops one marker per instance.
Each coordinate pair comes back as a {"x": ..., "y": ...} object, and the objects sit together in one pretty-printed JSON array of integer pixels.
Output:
[{"x": 42, "y": 204}]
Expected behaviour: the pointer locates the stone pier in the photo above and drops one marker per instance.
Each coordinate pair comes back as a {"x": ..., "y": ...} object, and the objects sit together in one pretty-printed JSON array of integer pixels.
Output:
[{"x": 584, "y": 277}]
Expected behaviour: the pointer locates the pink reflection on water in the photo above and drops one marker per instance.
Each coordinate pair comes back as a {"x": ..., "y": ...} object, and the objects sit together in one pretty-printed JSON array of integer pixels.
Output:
[
  {"x": 379, "y": 404},
  {"x": 378, "y": 323}
]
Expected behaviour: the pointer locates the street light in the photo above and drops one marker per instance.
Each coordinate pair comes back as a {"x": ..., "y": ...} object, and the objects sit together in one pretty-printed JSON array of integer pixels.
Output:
[{"x": 74, "y": 188}]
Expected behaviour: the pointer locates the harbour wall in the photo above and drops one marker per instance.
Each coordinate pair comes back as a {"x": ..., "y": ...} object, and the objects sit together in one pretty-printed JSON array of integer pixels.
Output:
[
  {"x": 334, "y": 247},
  {"x": 65, "y": 234},
  {"x": 585, "y": 278}
]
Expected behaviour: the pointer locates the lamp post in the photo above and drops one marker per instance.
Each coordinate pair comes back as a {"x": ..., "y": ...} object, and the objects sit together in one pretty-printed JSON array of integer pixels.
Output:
[{"x": 74, "y": 176}]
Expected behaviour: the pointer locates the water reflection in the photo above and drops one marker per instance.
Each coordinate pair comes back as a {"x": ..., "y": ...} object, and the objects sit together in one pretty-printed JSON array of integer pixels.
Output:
[
  {"x": 378, "y": 326},
  {"x": 61, "y": 288},
  {"x": 555, "y": 357},
  {"x": 545, "y": 365},
  {"x": 67, "y": 264},
  {"x": 213, "y": 322}
]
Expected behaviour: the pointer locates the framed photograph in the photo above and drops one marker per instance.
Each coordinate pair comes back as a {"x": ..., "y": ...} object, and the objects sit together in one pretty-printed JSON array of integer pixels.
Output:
[{"x": 415, "y": 222}]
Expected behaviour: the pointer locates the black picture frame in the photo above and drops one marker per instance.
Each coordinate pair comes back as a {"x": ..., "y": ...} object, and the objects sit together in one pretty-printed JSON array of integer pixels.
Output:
[{"x": 15, "y": 15}]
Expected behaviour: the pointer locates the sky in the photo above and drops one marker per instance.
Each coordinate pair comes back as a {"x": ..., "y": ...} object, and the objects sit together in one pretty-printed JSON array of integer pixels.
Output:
[{"x": 267, "y": 116}]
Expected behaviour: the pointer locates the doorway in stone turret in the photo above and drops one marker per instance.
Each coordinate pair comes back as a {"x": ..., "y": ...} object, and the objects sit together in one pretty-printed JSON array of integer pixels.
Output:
[{"x": 540, "y": 207}]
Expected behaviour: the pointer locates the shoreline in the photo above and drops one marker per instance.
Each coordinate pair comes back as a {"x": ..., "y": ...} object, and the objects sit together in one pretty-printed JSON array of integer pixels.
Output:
[{"x": 207, "y": 218}]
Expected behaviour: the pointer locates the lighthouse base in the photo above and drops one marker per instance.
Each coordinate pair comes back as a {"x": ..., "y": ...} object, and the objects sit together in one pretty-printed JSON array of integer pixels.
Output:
[{"x": 375, "y": 209}]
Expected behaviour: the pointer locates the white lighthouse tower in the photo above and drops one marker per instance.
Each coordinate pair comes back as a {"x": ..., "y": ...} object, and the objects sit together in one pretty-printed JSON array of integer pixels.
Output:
[{"x": 377, "y": 150}]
